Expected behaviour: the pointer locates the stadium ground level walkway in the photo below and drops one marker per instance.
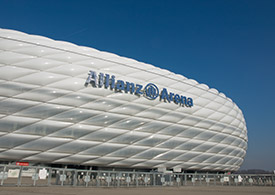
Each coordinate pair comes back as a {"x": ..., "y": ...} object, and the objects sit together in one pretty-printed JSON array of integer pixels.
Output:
[{"x": 12, "y": 175}]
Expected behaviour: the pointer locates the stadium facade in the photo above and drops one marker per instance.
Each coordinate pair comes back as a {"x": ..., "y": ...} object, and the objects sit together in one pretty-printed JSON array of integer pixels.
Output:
[{"x": 65, "y": 104}]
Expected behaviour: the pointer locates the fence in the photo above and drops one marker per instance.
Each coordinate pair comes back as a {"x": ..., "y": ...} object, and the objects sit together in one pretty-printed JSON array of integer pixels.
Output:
[{"x": 12, "y": 175}]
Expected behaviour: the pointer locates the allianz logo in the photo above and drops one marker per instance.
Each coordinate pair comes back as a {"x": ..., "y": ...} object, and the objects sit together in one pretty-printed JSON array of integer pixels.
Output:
[{"x": 150, "y": 91}]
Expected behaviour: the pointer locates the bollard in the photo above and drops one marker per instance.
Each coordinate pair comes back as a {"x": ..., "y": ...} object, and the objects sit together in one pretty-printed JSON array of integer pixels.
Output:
[
  {"x": 185, "y": 179},
  {"x": 19, "y": 176},
  {"x": 75, "y": 178},
  {"x": 136, "y": 180},
  {"x": 35, "y": 177},
  {"x": 50, "y": 176},
  {"x": 5, "y": 175},
  {"x": 87, "y": 179}
]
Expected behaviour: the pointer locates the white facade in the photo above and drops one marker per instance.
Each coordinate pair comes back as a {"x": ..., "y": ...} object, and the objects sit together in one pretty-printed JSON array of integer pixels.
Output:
[{"x": 48, "y": 115}]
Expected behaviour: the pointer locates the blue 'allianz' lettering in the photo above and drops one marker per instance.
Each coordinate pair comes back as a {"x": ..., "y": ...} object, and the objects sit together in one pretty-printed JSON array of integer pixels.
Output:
[
  {"x": 120, "y": 85},
  {"x": 138, "y": 89},
  {"x": 150, "y": 91}
]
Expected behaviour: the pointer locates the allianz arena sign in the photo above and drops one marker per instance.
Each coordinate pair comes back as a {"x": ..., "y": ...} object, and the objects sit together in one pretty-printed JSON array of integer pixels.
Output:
[{"x": 150, "y": 91}]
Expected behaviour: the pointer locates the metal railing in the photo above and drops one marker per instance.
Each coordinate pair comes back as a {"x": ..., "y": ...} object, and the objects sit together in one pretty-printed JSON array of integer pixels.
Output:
[{"x": 13, "y": 175}]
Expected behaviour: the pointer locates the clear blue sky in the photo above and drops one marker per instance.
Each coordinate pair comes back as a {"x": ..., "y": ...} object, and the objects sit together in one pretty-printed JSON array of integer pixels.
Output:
[{"x": 226, "y": 44}]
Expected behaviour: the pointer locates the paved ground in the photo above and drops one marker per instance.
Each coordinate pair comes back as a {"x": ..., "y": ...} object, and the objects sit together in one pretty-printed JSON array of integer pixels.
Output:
[{"x": 188, "y": 190}]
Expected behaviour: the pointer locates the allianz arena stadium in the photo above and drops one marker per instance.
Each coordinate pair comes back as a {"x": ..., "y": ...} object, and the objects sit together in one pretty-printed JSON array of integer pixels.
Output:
[{"x": 69, "y": 105}]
